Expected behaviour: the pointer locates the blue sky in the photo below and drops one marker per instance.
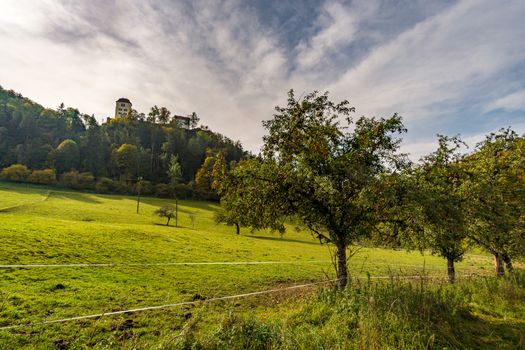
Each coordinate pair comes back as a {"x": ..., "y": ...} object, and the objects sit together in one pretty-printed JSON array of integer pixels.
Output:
[{"x": 445, "y": 66}]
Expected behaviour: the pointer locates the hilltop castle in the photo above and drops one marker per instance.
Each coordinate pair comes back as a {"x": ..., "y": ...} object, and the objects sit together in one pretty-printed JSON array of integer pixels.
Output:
[{"x": 123, "y": 107}]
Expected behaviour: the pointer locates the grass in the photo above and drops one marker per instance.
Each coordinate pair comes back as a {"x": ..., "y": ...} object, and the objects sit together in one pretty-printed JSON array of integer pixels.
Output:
[
  {"x": 64, "y": 227},
  {"x": 388, "y": 315}
]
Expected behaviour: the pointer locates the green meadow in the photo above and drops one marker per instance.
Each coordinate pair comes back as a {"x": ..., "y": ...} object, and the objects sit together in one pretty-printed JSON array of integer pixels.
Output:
[{"x": 49, "y": 226}]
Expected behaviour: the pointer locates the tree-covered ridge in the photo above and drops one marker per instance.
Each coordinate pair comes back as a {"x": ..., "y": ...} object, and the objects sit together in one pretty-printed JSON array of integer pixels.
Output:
[{"x": 121, "y": 149}]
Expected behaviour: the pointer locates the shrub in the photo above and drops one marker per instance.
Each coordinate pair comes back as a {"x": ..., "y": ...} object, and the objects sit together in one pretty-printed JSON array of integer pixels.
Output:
[
  {"x": 78, "y": 181},
  {"x": 146, "y": 188},
  {"x": 44, "y": 177},
  {"x": 104, "y": 185},
  {"x": 123, "y": 187},
  {"x": 163, "y": 190},
  {"x": 15, "y": 172},
  {"x": 69, "y": 179},
  {"x": 182, "y": 191},
  {"x": 86, "y": 181}
]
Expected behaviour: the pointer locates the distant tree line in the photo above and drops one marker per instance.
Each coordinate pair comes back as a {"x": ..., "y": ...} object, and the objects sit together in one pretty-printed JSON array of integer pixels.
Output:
[{"x": 64, "y": 146}]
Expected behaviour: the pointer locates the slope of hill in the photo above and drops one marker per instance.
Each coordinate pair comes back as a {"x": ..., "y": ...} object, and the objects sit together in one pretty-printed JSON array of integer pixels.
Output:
[
  {"x": 121, "y": 148},
  {"x": 137, "y": 252}
]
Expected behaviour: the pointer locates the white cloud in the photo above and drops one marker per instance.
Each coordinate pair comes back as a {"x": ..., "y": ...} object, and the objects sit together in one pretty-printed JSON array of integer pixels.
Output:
[
  {"x": 219, "y": 61},
  {"x": 416, "y": 150},
  {"x": 339, "y": 26},
  {"x": 512, "y": 102},
  {"x": 439, "y": 60}
]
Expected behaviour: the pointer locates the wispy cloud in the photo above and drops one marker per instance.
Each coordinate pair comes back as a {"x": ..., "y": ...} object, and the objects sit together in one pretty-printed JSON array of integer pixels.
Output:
[
  {"x": 444, "y": 66},
  {"x": 512, "y": 102},
  {"x": 339, "y": 25}
]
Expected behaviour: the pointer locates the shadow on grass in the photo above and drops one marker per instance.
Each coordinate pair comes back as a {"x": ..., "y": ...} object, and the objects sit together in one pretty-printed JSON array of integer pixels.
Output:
[
  {"x": 196, "y": 204},
  {"x": 279, "y": 239},
  {"x": 56, "y": 192},
  {"x": 75, "y": 196},
  {"x": 82, "y": 195},
  {"x": 170, "y": 225}
]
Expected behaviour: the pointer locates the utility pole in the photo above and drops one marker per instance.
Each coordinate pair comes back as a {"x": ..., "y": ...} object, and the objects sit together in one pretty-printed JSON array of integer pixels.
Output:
[
  {"x": 176, "y": 213},
  {"x": 139, "y": 187}
]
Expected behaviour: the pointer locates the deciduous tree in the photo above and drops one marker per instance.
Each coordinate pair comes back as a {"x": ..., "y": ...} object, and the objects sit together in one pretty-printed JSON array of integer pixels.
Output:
[
  {"x": 319, "y": 171},
  {"x": 497, "y": 196},
  {"x": 166, "y": 212},
  {"x": 441, "y": 224}
]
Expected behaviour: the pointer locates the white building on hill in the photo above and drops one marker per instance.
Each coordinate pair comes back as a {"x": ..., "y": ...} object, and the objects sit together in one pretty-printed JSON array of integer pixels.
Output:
[{"x": 122, "y": 107}]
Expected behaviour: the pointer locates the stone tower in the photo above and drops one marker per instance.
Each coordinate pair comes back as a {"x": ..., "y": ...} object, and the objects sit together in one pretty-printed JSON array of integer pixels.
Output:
[{"x": 122, "y": 107}]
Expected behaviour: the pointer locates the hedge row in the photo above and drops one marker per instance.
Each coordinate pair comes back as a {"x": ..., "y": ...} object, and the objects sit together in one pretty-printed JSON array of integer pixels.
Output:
[{"x": 87, "y": 182}]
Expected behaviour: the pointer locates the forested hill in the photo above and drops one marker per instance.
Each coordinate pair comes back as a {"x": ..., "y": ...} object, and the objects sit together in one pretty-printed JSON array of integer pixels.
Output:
[{"x": 120, "y": 149}]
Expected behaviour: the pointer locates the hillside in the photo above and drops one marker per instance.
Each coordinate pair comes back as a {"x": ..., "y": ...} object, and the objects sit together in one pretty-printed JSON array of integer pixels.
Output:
[
  {"x": 154, "y": 148},
  {"x": 50, "y": 226}
]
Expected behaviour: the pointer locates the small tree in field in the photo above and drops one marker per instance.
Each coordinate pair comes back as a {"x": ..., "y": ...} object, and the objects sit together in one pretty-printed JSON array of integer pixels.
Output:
[
  {"x": 229, "y": 218},
  {"x": 325, "y": 174},
  {"x": 166, "y": 212}
]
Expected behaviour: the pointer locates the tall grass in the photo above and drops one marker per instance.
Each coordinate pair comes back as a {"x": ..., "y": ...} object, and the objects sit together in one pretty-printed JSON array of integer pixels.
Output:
[{"x": 395, "y": 314}]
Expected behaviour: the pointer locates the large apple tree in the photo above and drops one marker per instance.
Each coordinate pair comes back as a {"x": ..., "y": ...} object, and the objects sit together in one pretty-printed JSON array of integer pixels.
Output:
[{"x": 321, "y": 167}]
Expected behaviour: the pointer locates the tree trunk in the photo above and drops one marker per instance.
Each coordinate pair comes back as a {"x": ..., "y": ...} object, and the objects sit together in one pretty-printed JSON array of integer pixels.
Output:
[
  {"x": 498, "y": 261},
  {"x": 508, "y": 262},
  {"x": 342, "y": 272},
  {"x": 238, "y": 228},
  {"x": 168, "y": 223},
  {"x": 451, "y": 270}
]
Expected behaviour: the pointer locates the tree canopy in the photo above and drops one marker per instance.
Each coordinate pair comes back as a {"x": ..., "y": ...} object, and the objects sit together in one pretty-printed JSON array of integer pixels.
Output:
[{"x": 326, "y": 174}]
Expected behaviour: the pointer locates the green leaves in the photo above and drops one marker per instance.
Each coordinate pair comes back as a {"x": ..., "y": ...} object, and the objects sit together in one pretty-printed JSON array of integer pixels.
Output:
[
  {"x": 496, "y": 193},
  {"x": 442, "y": 221},
  {"x": 317, "y": 170}
]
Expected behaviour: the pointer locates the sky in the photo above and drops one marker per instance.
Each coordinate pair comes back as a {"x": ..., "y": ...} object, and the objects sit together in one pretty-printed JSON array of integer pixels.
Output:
[{"x": 447, "y": 67}]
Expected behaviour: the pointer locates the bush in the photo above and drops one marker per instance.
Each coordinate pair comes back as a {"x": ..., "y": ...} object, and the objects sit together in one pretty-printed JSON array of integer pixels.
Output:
[
  {"x": 69, "y": 179},
  {"x": 146, "y": 188},
  {"x": 86, "y": 181},
  {"x": 104, "y": 185},
  {"x": 182, "y": 191},
  {"x": 44, "y": 177},
  {"x": 123, "y": 187},
  {"x": 163, "y": 190},
  {"x": 78, "y": 181},
  {"x": 15, "y": 172}
]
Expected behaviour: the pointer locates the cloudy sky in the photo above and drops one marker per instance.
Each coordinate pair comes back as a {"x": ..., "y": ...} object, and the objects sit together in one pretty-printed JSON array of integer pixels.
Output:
[{"x": 445, "y": 66}]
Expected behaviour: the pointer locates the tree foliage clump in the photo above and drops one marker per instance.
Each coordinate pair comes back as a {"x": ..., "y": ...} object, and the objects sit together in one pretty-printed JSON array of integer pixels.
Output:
[
  {"x": 326, "y": 174},
  {"x": 43, "y": 177},
  {"x": 166, "y": 212},
  {"x": 15, "y": 172},
  {"x": 208, "y": 177},
  {"x": 441, "y": 222},
  {"x": 496, "y": 195}
]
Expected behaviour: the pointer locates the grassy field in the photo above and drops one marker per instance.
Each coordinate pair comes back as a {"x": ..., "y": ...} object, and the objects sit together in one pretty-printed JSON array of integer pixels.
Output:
[{"x": 49, "y": 226}]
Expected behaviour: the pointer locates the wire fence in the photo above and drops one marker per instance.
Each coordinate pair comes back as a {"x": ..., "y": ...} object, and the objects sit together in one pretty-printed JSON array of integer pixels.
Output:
[
  {"x": 229, "y": 297},
  {"x": 423, "y": 267},
  {"x": 29, "y": 266},
  {"x": 196, "y": 302}
]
